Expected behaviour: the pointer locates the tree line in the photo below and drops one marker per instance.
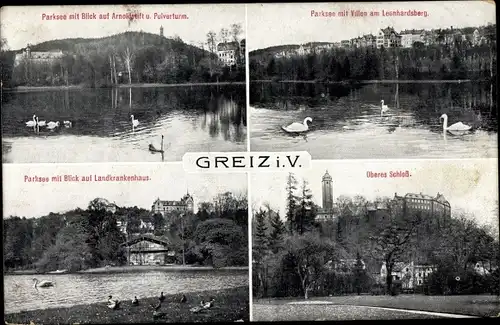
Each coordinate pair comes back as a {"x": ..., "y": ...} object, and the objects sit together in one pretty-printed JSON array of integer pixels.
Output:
[
  {"x": 81, "y": 239},
  {"x": 301, "y": 256},
  {"x": 130, "y": 57},
  {"x": 460, "y": 60}
]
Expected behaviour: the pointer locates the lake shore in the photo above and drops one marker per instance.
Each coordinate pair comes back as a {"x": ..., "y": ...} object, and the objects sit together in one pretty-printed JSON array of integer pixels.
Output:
[
  {"x": 142, "y": 85},
  {"x": 139, "y": 268},
  {"x": 366, "y": 81},
  {"x": 473, "y": 305},
  {"x": 230, "y": 305}
]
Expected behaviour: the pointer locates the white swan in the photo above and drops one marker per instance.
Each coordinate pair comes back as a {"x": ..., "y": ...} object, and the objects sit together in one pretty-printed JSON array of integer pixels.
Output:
[
  {"x": 67, "y": 124},
  {"x": 32, "y": 122},
  {"x": 113, "y": 304},
  {"x": 40, "y": 123},
  {"x": 42, "y": 284},
  {"x": 52, "y": 125},
  {"x": 383, "y": 108},
  {"x": 298, "y": 127},
  {"x": 134, "y": 122},
  {"x": 459, "y": 126}
]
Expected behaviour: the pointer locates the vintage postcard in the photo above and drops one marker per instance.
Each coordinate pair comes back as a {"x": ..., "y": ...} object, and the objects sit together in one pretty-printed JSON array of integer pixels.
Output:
[
  {"x": 374, "y": 80},
  {"x": 349, "y": 240},
  {"x": 122, "y": 83},
  {"x": 119, "y": 244},
  {"x": 342, "y": 165}
]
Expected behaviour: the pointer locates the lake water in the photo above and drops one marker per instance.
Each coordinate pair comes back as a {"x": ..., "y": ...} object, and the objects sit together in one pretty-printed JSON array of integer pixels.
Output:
[
  {"x": 197, "y": 118},
  {"x": 347, "y": 121},
  {"x": 76, "y": 289}
]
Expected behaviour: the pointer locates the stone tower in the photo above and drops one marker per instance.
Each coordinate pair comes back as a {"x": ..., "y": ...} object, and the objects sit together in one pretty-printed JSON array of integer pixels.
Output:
[
  {"x": 161, "y": 31},
  {"x": 327, "y": 192}
]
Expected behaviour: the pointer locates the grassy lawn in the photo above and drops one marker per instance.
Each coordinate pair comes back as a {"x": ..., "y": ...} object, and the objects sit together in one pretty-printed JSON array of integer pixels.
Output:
[
  {"x": 230, "y": 305},
  {"x": 328, "y": 313},
  {"x": 474, "y": 305}
]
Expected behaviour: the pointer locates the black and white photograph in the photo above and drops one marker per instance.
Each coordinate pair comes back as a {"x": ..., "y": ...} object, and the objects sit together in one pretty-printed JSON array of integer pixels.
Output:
[
  {"x": 103, "y": 244},
  {"x": 374, "y": 79},
  {"x": 122, "y": 83},
  {"x": 373, "y": 240}
]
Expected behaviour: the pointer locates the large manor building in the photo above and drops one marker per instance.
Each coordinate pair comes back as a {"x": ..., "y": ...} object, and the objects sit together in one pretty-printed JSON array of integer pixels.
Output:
[
  {"x": 37, "y": 57},
  {"x": 185, "y": 204}
]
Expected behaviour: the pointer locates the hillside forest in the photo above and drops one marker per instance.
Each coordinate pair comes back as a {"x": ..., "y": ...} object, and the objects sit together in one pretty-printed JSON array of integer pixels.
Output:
[{"x": 126, "y": 58}]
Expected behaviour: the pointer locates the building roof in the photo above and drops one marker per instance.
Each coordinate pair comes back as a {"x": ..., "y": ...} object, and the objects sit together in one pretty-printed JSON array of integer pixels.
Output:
[
  {"x": 327, "y": 176},
  {"x": 149, "y": 238},
  {"x": 181, "y": 202},
  {"x": 228, "y": 46}
]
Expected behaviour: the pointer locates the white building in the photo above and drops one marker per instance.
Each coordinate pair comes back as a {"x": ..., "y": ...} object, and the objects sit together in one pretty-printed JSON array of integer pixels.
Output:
[
  {"x": 226, "y": 53},
  {"x": 410, "y": 274}
]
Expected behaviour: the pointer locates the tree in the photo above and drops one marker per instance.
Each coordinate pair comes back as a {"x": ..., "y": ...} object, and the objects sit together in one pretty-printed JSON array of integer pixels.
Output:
[
  {"x": 359, "y": 274},
  {"x": 235, "y": 33},
  {"x": 277, "y": 232},
  {"x": 224, "y": 35},
  {"x": 304, "y": 216},
  {"x": 291, "y": 201},
  {"x": 310, "y": 254},
  {"x": 260, "y": 248},
  {"x": 393, "y": 242},
  {"x": 128, "y": 58}
]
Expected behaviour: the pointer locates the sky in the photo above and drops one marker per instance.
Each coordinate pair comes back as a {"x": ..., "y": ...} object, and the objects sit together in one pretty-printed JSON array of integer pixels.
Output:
[
  {"x": 168, "y": 182},
  {"x": 21, "y": 25},
  {"x": 279, "y": 24},
  {"x": 469, "y": 185}
]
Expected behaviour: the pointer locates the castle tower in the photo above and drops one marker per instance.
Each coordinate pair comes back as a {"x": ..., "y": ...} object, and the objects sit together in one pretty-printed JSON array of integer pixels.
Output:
[
  {"x": 161, "y": 31},
  {"x": 327, "y": 192}
]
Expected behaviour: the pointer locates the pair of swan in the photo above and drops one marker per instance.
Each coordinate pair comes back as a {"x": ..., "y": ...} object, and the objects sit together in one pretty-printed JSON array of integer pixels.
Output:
[
  {"x": 42, "y": 284},
  {"x": 304, "y": 127}
]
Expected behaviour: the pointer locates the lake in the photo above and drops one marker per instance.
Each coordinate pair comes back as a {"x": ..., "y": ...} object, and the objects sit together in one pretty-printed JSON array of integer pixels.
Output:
[
  {"x": 191, "y": 118},
  {"x": 76, "y": 289},
  {"x": 348, "y": 124}
]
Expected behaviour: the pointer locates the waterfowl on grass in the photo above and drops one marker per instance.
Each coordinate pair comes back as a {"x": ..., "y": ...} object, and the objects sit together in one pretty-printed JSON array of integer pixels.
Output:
[
  {"x": 135, "y": 302},
  {"x": 162, "y": 297},
  {"x": 183, "y": 299},
  {"x": 156, "y": 312},
  {"x": 197, "y": 309},
  {"x": 209, "y": 304},
  {"x": 113, "y": 304},
  {"x": 68, "y": 124}
]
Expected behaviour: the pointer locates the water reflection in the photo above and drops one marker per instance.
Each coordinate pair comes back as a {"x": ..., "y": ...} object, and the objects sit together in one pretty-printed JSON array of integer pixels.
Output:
[
  {"x": 348, "y": 122},
  {"x": 75, "y": 289},
  {"x": 190, "y": 119}
]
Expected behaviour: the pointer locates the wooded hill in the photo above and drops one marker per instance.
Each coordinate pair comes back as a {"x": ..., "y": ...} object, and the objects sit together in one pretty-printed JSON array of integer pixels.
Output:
[{"x": 130, "y": 57}]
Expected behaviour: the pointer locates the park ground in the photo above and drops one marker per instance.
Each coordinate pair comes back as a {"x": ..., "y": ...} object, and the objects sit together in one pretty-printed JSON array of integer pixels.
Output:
[
  {"x": 230, "y": 305},
  {"x": 375, "y": 307}
]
